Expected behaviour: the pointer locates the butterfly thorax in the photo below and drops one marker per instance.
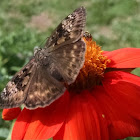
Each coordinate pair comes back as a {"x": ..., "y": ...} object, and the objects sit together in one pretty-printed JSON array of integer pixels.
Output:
[{"x": 41, "y": 56}]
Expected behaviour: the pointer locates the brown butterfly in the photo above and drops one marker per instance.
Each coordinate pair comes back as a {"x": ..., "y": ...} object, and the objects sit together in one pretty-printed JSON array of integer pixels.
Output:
[{"x": 41, "y": 80}]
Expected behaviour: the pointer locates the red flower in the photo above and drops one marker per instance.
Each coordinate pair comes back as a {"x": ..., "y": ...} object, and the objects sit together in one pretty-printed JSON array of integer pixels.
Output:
[{"x": 103, "y": 103}]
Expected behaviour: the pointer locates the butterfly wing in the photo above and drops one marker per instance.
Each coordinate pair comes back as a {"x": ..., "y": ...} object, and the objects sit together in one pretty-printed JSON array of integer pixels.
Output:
[
  {"x": 67, "y": 61},
  {"x": 68, "y": 31},
  {"x": 43, "y": 89},
  {"x": 66, "y": 52},
  {"x": 66, "y": 48},
  {"x": 48, "y": 82},
  {"x": 32, "y": 86},
  {"x": 14, "y": 93}
]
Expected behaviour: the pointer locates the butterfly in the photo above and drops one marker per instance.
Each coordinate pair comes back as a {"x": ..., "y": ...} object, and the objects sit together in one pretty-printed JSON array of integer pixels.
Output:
[{"x": 42, "y": 80}]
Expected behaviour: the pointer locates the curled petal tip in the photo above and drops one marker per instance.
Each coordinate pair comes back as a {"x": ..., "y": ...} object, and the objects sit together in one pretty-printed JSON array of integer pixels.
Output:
[{"x": 10, "y": 114}]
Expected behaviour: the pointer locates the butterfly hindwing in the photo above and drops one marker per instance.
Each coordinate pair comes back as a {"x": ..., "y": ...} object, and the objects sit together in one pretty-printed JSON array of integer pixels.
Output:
[{"x": 43, "y": 89}]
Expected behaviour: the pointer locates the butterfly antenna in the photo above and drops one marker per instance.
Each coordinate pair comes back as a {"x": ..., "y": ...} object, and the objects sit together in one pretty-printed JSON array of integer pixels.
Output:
[{"x": 42, "y": 43}]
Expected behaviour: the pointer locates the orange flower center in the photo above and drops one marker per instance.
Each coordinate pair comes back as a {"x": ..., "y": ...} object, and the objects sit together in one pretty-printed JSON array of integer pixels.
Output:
[{"x": 93, "y": 70}]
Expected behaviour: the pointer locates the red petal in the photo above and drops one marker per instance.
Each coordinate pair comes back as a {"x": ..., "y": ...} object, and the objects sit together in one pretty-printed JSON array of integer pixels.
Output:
[
  {"x": 124, "y": 58},
  {"x": 105, "y": 52},
  {"x": 84, "y": 120},
  {"x": 126, "y": 91},
  {"x": 60, "y": 134},
  {"x": 122, "y": 124},
  {"x": 42, "y": 123},
  {"x": 22, "y": 124},
  {"x": 10, "y": 114}
]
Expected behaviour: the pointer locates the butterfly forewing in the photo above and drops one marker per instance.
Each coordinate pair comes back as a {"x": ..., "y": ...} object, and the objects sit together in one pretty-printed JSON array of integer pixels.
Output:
[
  {"x": 15, "y": 93},
  {"x": 41, "y": 81},
  {"x": 69, "y": 30},
  {"x": 71, "y": 59}
]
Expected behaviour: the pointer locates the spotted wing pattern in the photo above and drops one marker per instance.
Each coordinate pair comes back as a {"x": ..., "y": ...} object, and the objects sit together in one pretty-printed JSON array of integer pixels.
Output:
[
  {"x": 14, "y": 94},
  {"x": 68, "y": 31}
]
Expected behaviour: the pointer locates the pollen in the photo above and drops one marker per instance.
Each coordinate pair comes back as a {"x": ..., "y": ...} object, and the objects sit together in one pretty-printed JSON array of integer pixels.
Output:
[{"x": 93, "y": 69}]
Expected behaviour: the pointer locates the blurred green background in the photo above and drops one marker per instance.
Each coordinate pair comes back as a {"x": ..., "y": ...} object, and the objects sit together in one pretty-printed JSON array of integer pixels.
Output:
[{"x": 25, "y": 24}]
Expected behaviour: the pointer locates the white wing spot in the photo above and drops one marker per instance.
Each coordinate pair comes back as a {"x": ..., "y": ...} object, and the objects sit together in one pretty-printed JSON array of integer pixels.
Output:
[
  {"x": 73, "y": 60},
  {"x": 31, "y": 96},
  {"x": 72, "y": 53},
  {"x": 75, "y": 46}
]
